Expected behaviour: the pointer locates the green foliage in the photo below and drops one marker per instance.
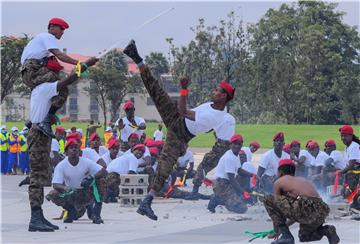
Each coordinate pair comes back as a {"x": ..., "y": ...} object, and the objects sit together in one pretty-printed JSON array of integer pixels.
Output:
[{"x": 157, "y": 63}]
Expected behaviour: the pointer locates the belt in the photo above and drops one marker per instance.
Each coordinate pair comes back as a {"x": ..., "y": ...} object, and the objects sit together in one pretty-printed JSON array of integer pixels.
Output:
[{"x": 222, "y": 141}]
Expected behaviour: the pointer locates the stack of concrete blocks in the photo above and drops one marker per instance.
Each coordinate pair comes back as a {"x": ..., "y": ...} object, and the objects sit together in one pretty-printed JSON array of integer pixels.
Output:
[{"x": 133, "y": 189}]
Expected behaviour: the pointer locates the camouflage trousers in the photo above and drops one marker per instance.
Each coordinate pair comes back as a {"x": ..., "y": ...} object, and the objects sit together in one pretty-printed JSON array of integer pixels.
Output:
[
  {"x": 210, "y": 161},
  {"x": 229, "y": 197},
  {"x": 267, "y": 183},
  {"x": 80, "y": 198},
  {"x": 310, "y": 212},
  {"x": 177, "y": 134},
  {"x": 35, "y": 73},
  {"x": 41, "y": 172}
]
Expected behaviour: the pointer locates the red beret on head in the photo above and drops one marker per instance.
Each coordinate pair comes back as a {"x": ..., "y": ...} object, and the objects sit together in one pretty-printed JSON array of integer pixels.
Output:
[
  {"x": 60, "y": 129},
  {"x": 73, "y": 135},
  {"x": 93, "y": 137},
  {"x": 228, "y": 88},
  {"x": 158, "y": 143},
  {"x": 113, "y": 142},
  {"x": 133, "y": 136},
  {"x": 286, "y": 162},
  {"x": 279, "y": 135},
  {"x": 346, "y": 129},
  {"x": 154, "y": 151},
  {"x": 57, "y": 21},
  {"x": 139, "y": 147},
  {"x": 72, "y": 141},
  {"x": 295, "y": 142},
  {"x": 255, "y": 144},
  {"x": 149, "y": 142},
  {"x": 128, "y": 105},
  {"x": 236, "y": 137},
  {"x": 330, "y": 142},
  {"x": 313, "y": 145},
  {"x": 287, "y": 148},
  {"x": 307, "y": 143}
]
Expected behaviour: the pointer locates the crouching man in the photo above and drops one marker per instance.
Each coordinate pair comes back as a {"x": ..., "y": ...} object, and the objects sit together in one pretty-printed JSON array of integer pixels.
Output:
[
  {"x": 296, "y": 200},
  {"x": 73, "y": 183}
]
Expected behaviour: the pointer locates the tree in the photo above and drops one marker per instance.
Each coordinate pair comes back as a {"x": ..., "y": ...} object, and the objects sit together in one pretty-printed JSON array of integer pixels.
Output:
[
  {"x": 157, "y": 63},
  {"x": 11, "y": 50}
]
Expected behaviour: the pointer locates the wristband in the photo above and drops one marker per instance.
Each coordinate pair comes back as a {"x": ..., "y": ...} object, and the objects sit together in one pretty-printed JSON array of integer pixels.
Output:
[{"x": 184, "y": 92}]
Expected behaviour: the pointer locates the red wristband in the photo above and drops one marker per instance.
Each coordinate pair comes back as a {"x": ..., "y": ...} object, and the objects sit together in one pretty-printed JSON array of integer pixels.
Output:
[{"x": 184, "y": 92}]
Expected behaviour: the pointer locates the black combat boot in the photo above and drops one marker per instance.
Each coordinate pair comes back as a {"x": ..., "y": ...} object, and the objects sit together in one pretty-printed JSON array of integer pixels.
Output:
[
  {"x": 145, "y": 208},
  {"x": 71, "y": 216},
  {"x": 330, "y": 232},
  {"x": 213, "y": 203},
  {"x": 47, "y": 222},
  {"x": 286, "y": 236},
  {"x": 131, "y": 51},
  {"x": 96, "y": 213},
  {"x": 80, "y": 213},
  {"x": 89, "y": 211},
  {"x": 25, "y": 181},
  {"x": 36, "y": 222}
]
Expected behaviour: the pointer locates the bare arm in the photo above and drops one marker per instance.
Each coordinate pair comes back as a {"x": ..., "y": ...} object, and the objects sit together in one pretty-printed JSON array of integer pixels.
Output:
[
  {"x": 101, "y": 162},
  {"x": 189, "y": 114},
  {"x": 191, "y": 167},
  {"x": 101, "y": 173},
  {"x": 63, "y": 57},
  {"x": 59, "y": 187},
  {"x": 277, "y": 188},
  {"x": 147, "y": 161}
]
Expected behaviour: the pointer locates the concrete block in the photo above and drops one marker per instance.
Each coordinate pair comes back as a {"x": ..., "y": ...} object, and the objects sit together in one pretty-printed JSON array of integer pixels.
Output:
[{"x": 134, "y": 180}]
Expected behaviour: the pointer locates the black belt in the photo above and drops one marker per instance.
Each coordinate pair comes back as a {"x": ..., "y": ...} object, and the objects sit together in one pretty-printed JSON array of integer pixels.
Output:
[{"x": 222, "y": 141}]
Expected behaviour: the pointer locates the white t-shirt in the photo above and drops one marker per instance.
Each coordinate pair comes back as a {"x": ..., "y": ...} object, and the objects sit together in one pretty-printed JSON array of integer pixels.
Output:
[
  {"x": 40, "y": 101},
  {"x": 158, "y": 135},
  {"x": 248, "y": 153},
  {"x": 127, "y": 130},
  {"x": 248, "y": 167},
  {"x": 226, "y": 129},
  {"x": 309, "y": 158},
  {"x": 73, "y": 175},
  {"x": 183, "y": 161},
  {"x": 90, "y": 154},
  {"x": 124, "y": 164},
  {"x": 55, "y": 146},
  {"x": 107, "y": 159},
  {"x": 270, "y": 162},
  {"x": 320, "y": 159},
  {"x": 352, "y": 152},
  {"x": 39, "y": 47},
  {"x": 103, "y": 150},
  {"x": 338, "y": 158},
  {"x": 206, "y": 118},
  {"x": 228, "y": 163}
]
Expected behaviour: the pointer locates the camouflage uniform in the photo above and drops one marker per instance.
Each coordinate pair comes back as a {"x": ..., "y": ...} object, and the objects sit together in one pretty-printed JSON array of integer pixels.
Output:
[
  {"x": 177, "y": 136},
  {"x": 40, "y": 175},
  {"x": 228, "y": 196},
  {"x": 35, "y": 73},
  {"x": 310, "y": 212},
  {"x": 210, "y": 161}
]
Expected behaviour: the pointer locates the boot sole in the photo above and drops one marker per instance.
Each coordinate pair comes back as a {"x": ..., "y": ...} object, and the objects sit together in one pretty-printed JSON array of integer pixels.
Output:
[
  {"x": 143, "y": 213},
  {"x": 31, "y": 229}
]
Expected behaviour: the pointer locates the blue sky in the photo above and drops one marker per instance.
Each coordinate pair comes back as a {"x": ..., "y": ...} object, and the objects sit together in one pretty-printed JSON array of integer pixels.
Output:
[{"x": 95, "y": 26}]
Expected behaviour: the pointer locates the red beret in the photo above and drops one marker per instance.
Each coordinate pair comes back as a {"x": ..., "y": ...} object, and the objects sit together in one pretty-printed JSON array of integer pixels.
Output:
[
  {"x": 93, "y": 137},
  {"x": 113, "y": 142},
  {"x": 72, "y": 141},
  {"x": 279, "y": 135},
  {"x": 138, "y": 146},
  {"x": 286, "y": 162},
  {"x": 346, "y": 129},
  {"x": 307, "y": 143},
  {"x": 228, "y": 88},
  {"x": 236, "y": 137},
  {"x": 58, "y": 21},
  {"x": 60, "y": 129},
  {"x": 287, "y": 148},
  {"x": 133, "y": 136},
  {"x": 154, "y": 151},
  {"x": 330, "y": 142},
  {"x": 128, "y": 105},
  {"x": 295, "y": 142},
  {"x": 158, "y": 143},
  {"x": 313, "y": 145},
  {"x": 255, "y": 144},
  {"x": 149, "y": 142},
  {"x": 73, "y": 135}
]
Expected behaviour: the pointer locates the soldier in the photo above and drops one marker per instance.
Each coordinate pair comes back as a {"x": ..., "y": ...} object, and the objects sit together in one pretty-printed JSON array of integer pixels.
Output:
[
  {"x": 253, "y": 147},
  {"x": 39, "y": 144},
  {"x": 296, "y": 200},
  {"x": 227, "y": 190},
  {"x": 210, "y": 160},
  {"x": 302, "y": 157},
  {"x": 72, "y": 183},
  {"x": 269, "y": 163},
  {"x": 182, "y": 124},
  {"x": 114, "y": 151},
  {"x": 318, "y": 163},
  {"x": 4, "y": 148}
]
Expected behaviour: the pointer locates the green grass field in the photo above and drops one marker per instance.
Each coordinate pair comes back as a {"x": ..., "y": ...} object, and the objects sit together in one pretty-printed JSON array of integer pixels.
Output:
[{"x": 261, "y": 133}]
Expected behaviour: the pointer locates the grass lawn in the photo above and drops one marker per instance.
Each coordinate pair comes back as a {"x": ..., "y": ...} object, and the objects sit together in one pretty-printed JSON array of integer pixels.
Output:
[{"x": 261, "y": 133}]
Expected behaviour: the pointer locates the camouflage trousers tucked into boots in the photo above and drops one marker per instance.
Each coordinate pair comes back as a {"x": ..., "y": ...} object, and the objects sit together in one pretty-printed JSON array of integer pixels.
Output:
[
  {"x": 34, "y": 73},
  {"x": 310, "y": 212},
  {"x": 210, "y": 161},
  {"x": 229, "y": 197},
  {"x": 177, "y": 136},
  {"x": 41, "y": 172}
]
